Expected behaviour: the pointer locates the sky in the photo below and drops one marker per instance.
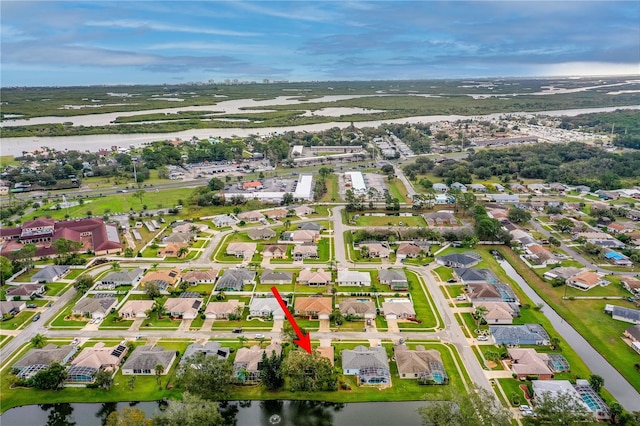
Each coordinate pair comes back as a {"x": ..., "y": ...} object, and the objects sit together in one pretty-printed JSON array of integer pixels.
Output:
[{"x": 62, "y": 43}]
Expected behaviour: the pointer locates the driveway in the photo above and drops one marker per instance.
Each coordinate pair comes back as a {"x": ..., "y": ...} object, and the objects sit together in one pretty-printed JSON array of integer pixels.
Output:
[
  {"x": 393, "y": 325},
  {"x": 207, "y": 324},
  {"x": 325, "y": 327},
  {"x": 137, "y": 323},
  {"x": 277, "y": 325}
]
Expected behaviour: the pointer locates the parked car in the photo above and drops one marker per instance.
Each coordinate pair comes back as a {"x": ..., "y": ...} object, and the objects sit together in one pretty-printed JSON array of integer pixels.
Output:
[
  {"x": 483, "y": 338},
  {"x": 259, "y": 336},
  {"x": 32, "y": 306},
  {"x": 36, "y": 318},
  {"x": 237, "y": 330},
  {"x": 368, "y": 322}
]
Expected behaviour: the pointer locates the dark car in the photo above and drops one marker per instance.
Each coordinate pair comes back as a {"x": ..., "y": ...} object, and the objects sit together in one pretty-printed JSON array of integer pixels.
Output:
[
  {"x": 32, "y": 306},
  {"x": 237, "y": 330},
  {"x": 36, "y": 318}
]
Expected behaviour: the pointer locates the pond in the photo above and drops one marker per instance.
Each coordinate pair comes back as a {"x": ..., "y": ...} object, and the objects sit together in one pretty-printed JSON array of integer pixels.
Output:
[{"x": 238, "y": 413}]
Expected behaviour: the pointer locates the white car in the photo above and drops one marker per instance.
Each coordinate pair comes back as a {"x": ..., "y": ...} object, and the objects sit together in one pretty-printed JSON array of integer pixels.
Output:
[
  {"x": 259, "y": 336},
  {"x": 525, "y": 408},
  {"x": 483, "y": 338}
]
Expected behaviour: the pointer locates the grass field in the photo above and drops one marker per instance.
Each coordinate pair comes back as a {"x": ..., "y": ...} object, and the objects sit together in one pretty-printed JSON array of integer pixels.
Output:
[
  {"x": 18, "y": 321},
  {"x": 333, "y": 193},
  {"x": 422, "y": 304},
  {"x": 397, "y": 190}
]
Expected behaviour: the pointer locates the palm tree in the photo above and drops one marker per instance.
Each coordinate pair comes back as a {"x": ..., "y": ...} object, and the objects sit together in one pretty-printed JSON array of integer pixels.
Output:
[
  {"x": 159, "y": 370},
  {"x": 115, "y": 266},
  {"x": 131, "y": 383},
  {"x": 287, "y": 224},
  {"x": 479, "y": 313},
  {"x": 242, "y": 340},
  {"x": 154, "y": 266},
  {"x": 38, "y": 341},
  {"x": 182, "y": 251}
]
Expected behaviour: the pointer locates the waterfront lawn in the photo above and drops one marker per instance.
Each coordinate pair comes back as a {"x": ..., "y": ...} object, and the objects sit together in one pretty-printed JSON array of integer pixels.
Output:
[
  {"x": 17, "y": 322},
  {"x": 588, "y": 318}
]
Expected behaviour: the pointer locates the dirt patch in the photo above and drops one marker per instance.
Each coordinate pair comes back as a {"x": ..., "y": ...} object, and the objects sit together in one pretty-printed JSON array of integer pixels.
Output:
[{"x": 492, "y": 364}]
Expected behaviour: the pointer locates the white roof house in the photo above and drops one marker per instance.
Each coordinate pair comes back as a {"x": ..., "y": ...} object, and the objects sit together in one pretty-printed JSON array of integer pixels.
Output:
[
  {"x": 357, "y": 182},
  {"x": 264, "y": 306},
  {"x": 354, "y": 278},
  {"x": 303, "y": 188}
]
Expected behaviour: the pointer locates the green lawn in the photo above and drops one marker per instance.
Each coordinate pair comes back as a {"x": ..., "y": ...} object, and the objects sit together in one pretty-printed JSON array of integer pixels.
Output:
[
  {"x": 54, "y": 289},
  {"x": 197, "y": 323},
  {"x": 324, "y": 249},
  {"x": 333, "y": 193},
  {"x": 112, "y": 322},
  {"x": 397, "y": 190},
  {"x": 154, "y": 322},
  {"x": 4, "y": 340},
  {"x": 422, "y": 304},
  {"x": 74, "y": 273},
  {"x": 391, "y": 220},
  {"x": 18, "y": 321},
  {"x": 588, "y": 318},
  {"x": 444, "y": 273}
]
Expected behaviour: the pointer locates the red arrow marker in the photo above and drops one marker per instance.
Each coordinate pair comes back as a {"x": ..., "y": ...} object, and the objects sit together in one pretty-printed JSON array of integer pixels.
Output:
[{"x": 303, "y": 340}]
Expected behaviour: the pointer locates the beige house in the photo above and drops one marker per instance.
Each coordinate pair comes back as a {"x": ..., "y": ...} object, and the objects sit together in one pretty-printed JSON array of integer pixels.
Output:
[
  {"x": 497, "y": 312},
  {"x": 183, "y": 307},
  {"x": 251, "y": 216},
  {"x": 376, "y": 250},
  {"x": 275, "y": 251},
  {"x": 313, "y": 307},
  {"x": 200, "y": 277},
  {"x": 276, "y": 214},
  {"x": 314, "y": 278},
  {"x": 304, "y": 251},
  {"x": 245, "y": 250},
  {"x": 135, "y": 309},
  {"x": 422, "y": 364},
  {"x": 222, "y": 310},
  {"x": 586, "y": 280},
  {"x": 398, "y": 309},
  {"x": 246, "y": 364}
]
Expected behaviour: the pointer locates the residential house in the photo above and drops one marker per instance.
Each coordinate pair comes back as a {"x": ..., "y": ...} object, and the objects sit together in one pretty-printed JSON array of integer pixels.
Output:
[
  {"x": 623, "y": 314},
  {"x": 468, "y": 276},
  {"x": 222, "y": 310},
  {"x": 527, "y": 334},
  {"x": 301, "y": 236},
  {"x": 633, "y": 334},
  {"x": 276, "y": 214},
  {"x": 303, "y": 211},
  {"x": 208, "y": 349},
  {"x": 265, "y": 307},
  {"x": 12, "y": 307},
  {"x": 314, "y": 278},
  {"x": 251, "y": 216},
  {"x": 121, "y": 278},
  {"x": 24, "y": 291},
  {"x": 369, "y": 365},
  {"x": 222, "y": 220},
  {"x": 487, "y": 292},
  {"x": 541, "y": 255},
  {"x": 526, "y": 363},
  {"x": 244, "y": 250},
  {"x": 358, "y": 307},
  {"x": 498, "y": 312},
  {"x": 396, "y": 279},
  {"x": 498, "y": 187},
  {"x": 164, "y": 277},
  {"x": 275, "y": 251},
  {"x": 377, "y": 250},
  {"x": 459, "y": 260},
  {"x": 311, "y": 226},
  {"x": 618, "y": 259},
  {"x": 200, "y": 277},
  {"x": 246, "y": 366},
  {"x": 183, "y": 307},
  {"x": 276, "y": 277},
  {"x": 144, "y": 360},
  {"x": 631, "y": 284},
  {"x": 261, "y": 233},
  {"x": 354, "y": 278},
  {"x": 304, "y": 251},
  {"x": 478, "y": 187},
  {"x": 562, "y": 272},
  {"x": 586, "y": 280},
  {"x": 234, "y": 279},
  {"x": 459, "y": 186},
  {"x": 37, "y": 359},
  {"x": 581, "y": 393},
  {"x": 424, "y": 365},
  {"x": 410, "y": 250},
  {"x": 91, "y": 360},
  {"x": 618, "y": 228},
  {"x": 440, "y": 187},
  {"x": 135, "y": 309},
  {"x": 181, "y": 238},
  {"x": 313, "y": 307},
  {"x": 50, "y": 273},
  {"x": 94, "y": 307},
  {"x": 398, "y": 309},
  {"x": 172, "y": 250},
  {"x": 440, "y": 218},
  {"x": 505, "y": 198}
]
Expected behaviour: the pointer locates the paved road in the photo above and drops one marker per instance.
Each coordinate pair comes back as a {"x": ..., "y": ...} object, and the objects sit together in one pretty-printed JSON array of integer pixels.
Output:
[
  {"x": 36, "y": 327},
  {"x": 400, "y": 174},
  {"x": 615, "y": 383}
]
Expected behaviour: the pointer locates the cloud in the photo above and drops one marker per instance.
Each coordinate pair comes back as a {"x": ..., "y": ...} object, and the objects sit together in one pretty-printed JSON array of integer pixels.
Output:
[
  {"x": 297, "y": 11},
  {"x": 158, "y": 26}
]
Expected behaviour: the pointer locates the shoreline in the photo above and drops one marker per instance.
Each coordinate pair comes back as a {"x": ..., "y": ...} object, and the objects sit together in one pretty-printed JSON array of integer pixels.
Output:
[{"x": 17, "y": 145}]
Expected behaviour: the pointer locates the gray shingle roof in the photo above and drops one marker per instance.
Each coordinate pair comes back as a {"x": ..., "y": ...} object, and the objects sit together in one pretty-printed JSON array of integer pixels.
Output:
[
  {"x": 518, "y": 333},
  {"x": 469, "y": 258},
  {"x": 268, "y": 275},
  {"x": 476, "y": 274},
  {"x": 147, "y": 357},
  {"x": 630, "y": 314},
  {"x": 50, "y": 272},
  {"x": 234, "y": 279},
  {"x": 363, "y": 357},
  {"x": 45, "y": 356}
]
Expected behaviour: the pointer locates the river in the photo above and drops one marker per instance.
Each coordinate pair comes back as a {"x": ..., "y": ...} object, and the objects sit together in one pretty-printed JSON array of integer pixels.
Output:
[
  {"x": 16, "y": 146},
  {"x": 244, "y": 413}
]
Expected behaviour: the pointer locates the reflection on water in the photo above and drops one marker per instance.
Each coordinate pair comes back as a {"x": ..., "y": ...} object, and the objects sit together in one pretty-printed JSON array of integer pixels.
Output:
[{"x": 235, "y": 413}]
